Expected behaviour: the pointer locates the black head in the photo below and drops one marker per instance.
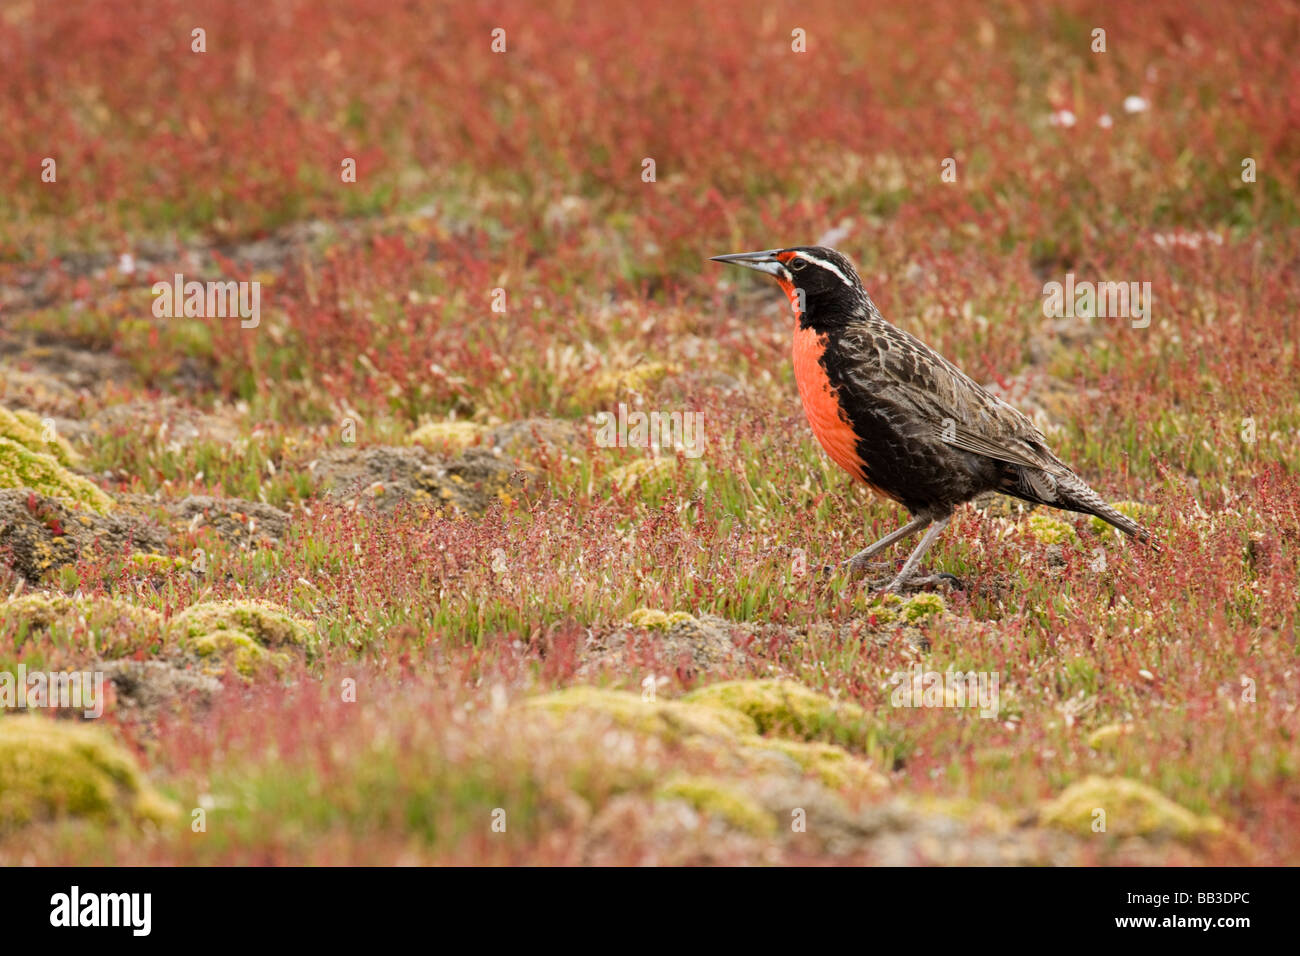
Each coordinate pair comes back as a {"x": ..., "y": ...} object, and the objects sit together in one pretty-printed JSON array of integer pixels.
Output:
[{"x": 822, "y": 285}]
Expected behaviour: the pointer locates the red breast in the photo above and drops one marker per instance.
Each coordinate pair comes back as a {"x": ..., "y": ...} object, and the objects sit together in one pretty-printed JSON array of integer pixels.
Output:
[{"x": 821, "y": 404}]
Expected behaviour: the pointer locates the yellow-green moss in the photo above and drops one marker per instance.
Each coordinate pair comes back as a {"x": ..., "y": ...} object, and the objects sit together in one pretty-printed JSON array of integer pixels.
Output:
[
  {"x": 47, "y": 608},
  {"x": 237, "y": 648},
  {"x": 143, "y": 561},
  {"x": 725, "y": 736},
  {"x": 834, "y": 766},
  {"x": 986, "y": 816},
  {"x": 885, "y": 609},
  {"x": 1108, "y": 737},
  {"x": 924, "y": 605},
  {"x": 666, "y": 719},
  {"x": 55, "y": 769},
  {"x": 718, "y": 798},
  {"x": 26, "y": 429},
  {"x": 1132, "y": 809},
  {"x": 650, "y": 470},
  {"x": 20, "y": 467},
  {"x": 619, "y": 383},
  {"x": 27, "y": 460},
  {"x": 267, "y": 624},
  {"x": 785, "y": 708},
  {"x": 446, "y": 436},
  {"x": 658, "y": 620},
  {"x": 35, "y": 610},
  {"x": 119, "y": 627},
  {"x": 1050, "y": 530}
]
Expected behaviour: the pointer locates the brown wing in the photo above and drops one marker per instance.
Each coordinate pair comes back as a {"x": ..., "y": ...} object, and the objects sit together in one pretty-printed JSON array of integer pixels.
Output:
[
  {"x": 928, "y": 399},
  {"x": 897, "y": 368}
]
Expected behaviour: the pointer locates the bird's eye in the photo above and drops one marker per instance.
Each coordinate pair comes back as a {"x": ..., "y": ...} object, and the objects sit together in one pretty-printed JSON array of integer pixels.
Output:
[{"x": 797, "y": 264}]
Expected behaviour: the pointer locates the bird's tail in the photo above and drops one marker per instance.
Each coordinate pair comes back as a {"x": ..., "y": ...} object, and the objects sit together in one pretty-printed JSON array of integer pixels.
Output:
[
  {"x": 1073, "y": 494},
  {"x": 1066, "y": 490}
]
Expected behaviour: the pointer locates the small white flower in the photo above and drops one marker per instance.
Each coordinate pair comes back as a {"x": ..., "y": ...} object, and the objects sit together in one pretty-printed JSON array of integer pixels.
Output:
[
  {"x": 1135, "y": 104},
  {"x": 1062, "y": 118},
  {"x": 1104, "y": 121},
  {"x": 126, "y": 263}
]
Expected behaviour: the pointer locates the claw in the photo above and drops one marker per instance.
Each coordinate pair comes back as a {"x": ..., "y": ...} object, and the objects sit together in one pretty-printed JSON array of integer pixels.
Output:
[
  {"x": 931, "y": 580},
  {"x": 856, "y": 566}
]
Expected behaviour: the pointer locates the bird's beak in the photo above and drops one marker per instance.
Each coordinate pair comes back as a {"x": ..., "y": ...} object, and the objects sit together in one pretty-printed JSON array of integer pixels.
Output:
[{"x": 765, "y": 261}]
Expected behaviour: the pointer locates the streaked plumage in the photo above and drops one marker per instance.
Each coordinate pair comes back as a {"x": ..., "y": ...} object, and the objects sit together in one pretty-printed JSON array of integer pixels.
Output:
[{"x": 900, "y": 417}]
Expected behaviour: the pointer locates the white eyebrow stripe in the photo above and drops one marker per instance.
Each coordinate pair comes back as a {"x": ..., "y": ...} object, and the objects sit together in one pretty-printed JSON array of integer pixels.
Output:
[{"x": 828, "y": 266}]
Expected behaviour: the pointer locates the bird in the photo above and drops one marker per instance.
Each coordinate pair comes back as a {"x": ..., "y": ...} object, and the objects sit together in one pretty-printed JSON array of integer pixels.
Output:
[{"x": 903, "y": 420}]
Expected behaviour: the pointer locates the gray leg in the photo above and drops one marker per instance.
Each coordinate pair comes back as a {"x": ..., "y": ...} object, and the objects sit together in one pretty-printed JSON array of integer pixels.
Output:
[
  {"x": 859, "y": 560},
  {"x": 909, "y": 567}
]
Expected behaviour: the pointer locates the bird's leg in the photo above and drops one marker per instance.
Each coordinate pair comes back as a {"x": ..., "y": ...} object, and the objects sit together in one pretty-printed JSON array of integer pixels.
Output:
[
  {"x": 859, "y": 560},
  {"x": 909, "y": 566}
]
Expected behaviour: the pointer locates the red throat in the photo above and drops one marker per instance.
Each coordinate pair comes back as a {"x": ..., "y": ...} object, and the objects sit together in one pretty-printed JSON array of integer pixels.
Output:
[{"x": 791, "y": 293}]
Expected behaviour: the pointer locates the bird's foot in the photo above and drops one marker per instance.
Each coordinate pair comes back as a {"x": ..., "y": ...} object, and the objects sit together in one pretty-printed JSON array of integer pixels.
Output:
[
  {"x": 854, "y": 567},
  {"x": 940, "y": 579}
]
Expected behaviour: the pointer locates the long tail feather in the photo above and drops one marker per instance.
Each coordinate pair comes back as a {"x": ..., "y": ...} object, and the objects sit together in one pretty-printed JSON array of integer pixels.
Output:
[{"x": 1071, "y": 493}]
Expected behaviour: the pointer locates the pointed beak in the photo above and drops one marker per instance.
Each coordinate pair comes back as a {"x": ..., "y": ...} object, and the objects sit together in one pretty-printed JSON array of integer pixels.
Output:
[{"x": 765, "y": 261}]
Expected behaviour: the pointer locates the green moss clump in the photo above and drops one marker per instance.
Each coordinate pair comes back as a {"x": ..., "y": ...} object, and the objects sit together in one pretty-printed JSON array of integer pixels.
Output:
[
  {"x": 56, "y": 769},
  {"x": 446, "y": 436},
  {"x": 21, "y": 467},
  {"x": 725, "y": 735},
  {"x": 985, "y": 816},
  {"x": 237, "y": 648},
  {"x": 27, "y": 429},
  {"x": 1108, "y": 737},
  {"x": 267, "y": 624},
  {"x": 35, "y": 610},
  {"x": 1132, "y": 809},
  {"x": 923, "y": 606},
  {"x": 785, "y": 708},
  {"x": 119, "y": 627},
  {"x": 885, "y": 609},
  {"x": 653, "y": 471},
  {"x": 1051, "y": 530},
  {"x": 833, "y": 766},
  {"x": 611, "y": 384},
  {"x": 43, "y": 610},
  {"x": 143, "y": 561},
  {"x": 658, "y": 620},
  {"x": 717, "y": 798}
]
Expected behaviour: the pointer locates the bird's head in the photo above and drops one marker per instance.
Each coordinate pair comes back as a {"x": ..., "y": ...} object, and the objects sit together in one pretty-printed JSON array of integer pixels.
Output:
[{"x": 822, "y": 285}]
